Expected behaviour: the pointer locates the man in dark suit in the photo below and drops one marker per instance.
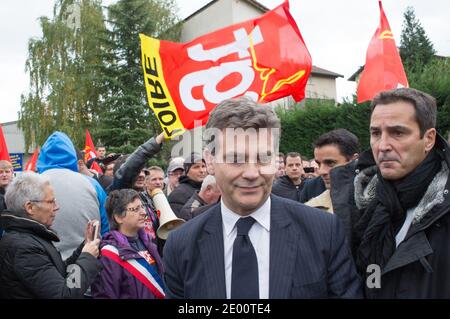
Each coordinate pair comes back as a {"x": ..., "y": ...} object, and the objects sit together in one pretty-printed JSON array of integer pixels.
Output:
[{"x": 253, "y": 244}]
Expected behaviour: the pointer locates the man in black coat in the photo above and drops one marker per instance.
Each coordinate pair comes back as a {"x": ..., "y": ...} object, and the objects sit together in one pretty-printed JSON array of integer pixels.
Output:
[
  {"x": 402, "y": 240},
  {"x": 290, "y": 185},
  {"x": 195, "y": 172}
]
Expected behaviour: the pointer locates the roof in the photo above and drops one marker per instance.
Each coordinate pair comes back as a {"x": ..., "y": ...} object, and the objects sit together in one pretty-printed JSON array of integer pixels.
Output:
[
  {"x": 253, "y": 3},
  {"x": 355, "y": 75},
  {"x": 322, "y": 72},
  {"x": 9, "y": 123}
]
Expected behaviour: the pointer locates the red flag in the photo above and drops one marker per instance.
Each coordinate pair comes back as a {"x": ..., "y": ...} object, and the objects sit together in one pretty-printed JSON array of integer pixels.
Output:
[
  {"x": 31, "y": 164},
  {"x": 90, "y": 152},
  {"x": 4, "y": 155},
  {"x": 384, "y": 69},
  {"x": 265, "y": 58}
]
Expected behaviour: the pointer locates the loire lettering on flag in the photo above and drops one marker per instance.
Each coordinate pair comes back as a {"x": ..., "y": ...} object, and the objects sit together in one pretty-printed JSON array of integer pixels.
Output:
[
  {"x": 383, "y": 69},
  {"x": 265, "y": 59}
]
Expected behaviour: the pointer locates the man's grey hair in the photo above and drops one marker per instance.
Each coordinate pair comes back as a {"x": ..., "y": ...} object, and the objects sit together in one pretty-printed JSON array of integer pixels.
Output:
[
  {"x": 242, "y": 113},
  {"x": 28, "y": 186},
  {"x": 209, "y": 180},
  {"x": 424, "y": 105}
]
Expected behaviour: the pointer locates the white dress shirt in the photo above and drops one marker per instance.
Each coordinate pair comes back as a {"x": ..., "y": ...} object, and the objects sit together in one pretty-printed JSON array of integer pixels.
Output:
[{"x": 259, "y": 235}]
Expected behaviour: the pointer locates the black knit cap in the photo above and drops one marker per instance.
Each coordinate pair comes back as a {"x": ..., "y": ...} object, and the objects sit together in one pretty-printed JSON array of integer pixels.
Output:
[{"x": 191, "y": 160}]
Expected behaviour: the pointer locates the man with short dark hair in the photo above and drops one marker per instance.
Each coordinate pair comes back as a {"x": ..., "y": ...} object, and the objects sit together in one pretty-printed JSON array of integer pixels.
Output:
[
  {"x": 101, "y": 152},
  {"x": 253, "y": 244},
  {"x": 402, "y": 189},
  {"x": 332, "y": 149},
  {"x": 280, "y": 166},
  {"x": 291, "y": 184}
]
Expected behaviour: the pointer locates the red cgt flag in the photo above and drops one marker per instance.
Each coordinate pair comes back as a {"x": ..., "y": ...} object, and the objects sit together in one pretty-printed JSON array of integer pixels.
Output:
[
  {"x": 31, "y": 164},
  {"x": 265, "y": 59},
  {"x": 90, "y": 153},
  {"x": 4, "y": 155},
  {"x": 383, "y": 69}
]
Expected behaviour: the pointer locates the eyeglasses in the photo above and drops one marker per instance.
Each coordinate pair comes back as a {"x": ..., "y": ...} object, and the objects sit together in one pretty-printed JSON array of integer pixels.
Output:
[
  {"x": 51, "y": 201},
  {"x": 135, "y": 209}
]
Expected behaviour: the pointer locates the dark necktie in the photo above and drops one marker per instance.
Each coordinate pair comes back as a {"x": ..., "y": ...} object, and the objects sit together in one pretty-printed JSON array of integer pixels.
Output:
[{"x": 244, "y": 277}]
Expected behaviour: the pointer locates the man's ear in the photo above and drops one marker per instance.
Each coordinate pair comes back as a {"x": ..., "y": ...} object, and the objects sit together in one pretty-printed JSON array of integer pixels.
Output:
[
  {"x": 430, "y": 139},
  {"x": 355, "y": 156},
  {"x": 210, "y": 160},
  {"x": 29, "y": 208}
]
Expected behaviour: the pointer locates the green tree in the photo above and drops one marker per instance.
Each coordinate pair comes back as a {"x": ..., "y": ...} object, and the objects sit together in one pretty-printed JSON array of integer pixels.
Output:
[
  {"x": 126, "y": 119},
  {"x": 65, "y": 90},
  {"x": 416, "y": 49}
]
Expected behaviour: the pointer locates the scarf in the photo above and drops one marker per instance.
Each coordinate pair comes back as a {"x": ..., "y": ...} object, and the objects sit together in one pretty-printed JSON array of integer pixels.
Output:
[{"x": 384, "y": 217}]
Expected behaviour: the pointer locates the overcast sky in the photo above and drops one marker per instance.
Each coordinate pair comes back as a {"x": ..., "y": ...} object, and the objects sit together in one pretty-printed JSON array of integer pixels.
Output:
[{"x": 336, "y": 33}]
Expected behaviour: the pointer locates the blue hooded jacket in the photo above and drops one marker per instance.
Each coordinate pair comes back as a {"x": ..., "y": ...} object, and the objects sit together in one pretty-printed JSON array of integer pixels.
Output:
[{"x": 59, "y": 152}]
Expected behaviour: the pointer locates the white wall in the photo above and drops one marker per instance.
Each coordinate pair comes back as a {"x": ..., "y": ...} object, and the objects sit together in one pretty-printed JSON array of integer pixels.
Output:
[{"x": 321, "y": 88}]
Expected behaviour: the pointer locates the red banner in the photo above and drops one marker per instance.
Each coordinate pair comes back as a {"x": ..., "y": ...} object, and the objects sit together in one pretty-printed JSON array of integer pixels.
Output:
[
  {"x": 4, "y": 155},
  {"x": 31, "y": 164},
  {"x": 265, "y": 59},
  {"x": 90, "y": 152},
  {"x": 383, "y": 69}
]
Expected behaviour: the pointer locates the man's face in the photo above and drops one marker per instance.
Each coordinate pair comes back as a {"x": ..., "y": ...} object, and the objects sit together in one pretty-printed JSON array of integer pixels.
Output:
[
  {"x": 44, "y": 211},
  {"x": 294, "y": 167},
  {"x": 154, "y": 180},
  {"x": 174, "y": 177},
  {"x": 327, "y": 157},
  {"x": 6, "y": 175},
  {"x": 395, "y": 139},
  {"x": 140, "y": 181},
  {"x": 280, "y": 166},
  {"x": 197, "y": 172},
  {"x": 101, "y": 152},
  {"x": 244, "y": 167}
]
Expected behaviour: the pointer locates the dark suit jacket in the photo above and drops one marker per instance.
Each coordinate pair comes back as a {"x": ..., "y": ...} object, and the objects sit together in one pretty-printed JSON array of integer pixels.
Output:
[{"x": 308, "y": 256}]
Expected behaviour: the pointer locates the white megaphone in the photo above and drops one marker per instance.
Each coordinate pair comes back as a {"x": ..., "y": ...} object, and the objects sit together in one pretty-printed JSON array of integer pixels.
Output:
[{"x": 167, "y": 219}]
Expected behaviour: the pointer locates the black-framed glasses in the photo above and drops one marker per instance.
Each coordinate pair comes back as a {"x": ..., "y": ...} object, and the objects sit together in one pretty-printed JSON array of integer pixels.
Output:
[
  {"x": 50, "y": 201},
  {"x": 135, "y": 209}
]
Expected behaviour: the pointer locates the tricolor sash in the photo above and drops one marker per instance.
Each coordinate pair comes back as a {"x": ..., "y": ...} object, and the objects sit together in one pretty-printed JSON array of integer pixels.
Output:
[{"x": 139, "y": 268}]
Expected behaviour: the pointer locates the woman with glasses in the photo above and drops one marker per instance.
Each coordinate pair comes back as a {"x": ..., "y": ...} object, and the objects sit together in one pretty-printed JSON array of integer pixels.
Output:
[
  {"x": 30, "y": 265},
  {"x": 132, "y": 265}
]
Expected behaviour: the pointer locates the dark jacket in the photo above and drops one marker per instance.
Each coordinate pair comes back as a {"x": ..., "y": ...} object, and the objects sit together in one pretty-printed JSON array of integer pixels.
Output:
[
  {"x": 420, "y": 266},
  {"x": 126, "y": 175},
  {"x": 31, "y": 267},
  {"x": 308, "y": 256},
  {"x": 179, "y": 197},
  {"x": 2, "y": 200},
  {"x": 342, "y": 195},
  {"x": 115, "y": 282},
  {"x": 194, "y": 207},
  {"x": 312, "y": 188},
  {"x": 285, "y": 188}
]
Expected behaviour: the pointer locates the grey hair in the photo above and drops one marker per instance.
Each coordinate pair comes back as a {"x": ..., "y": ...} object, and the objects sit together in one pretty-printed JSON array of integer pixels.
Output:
[
  {"x": 209, "y": 180},
  {"x": 28, "y": 186},
  {"x": 424, "y": 105},
  {"x": 242, "y": 113}
]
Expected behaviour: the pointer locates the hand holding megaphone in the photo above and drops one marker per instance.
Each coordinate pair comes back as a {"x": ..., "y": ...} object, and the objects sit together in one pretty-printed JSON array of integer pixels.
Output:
[{"x": 167, "y": 218}]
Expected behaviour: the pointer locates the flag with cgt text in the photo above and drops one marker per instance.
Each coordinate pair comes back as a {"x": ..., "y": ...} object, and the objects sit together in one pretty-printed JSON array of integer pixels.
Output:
[{"x": 265, "y": 59}]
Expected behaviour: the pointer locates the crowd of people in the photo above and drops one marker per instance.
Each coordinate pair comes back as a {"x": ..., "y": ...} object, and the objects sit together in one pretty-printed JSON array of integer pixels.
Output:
[{"x": 348, "y": 223}]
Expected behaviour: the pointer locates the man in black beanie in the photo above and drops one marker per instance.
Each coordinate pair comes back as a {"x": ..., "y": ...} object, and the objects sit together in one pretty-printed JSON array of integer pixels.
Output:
[{"x": 195, "y": 172}]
